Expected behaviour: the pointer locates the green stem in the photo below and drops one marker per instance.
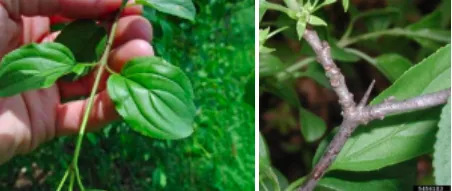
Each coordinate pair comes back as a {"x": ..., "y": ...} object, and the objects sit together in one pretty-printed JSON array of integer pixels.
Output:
[
  {"x": 71, "y": 182},
  {"x": 77, "y": 175},
  {"x": 88, "y": 64},
  {"x": 63, "y": 180},
  {"x": 377, "y": 12},
  {"x": 102, "y": 63},
  {"x": 276, "y": 7},
  {"x": 89, "y": 106},
  {"x": 362, "y": 55},
  {"x": 294, "y": 185},
  {"x": 391, "y": 32},
  {"x": 276, "y": 32},
  {"x": 287, "y": 73},
  {"x": 111, "y": 71}
]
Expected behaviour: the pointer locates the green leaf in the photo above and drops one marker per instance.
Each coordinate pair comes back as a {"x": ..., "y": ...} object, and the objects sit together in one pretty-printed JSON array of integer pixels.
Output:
[
  {"x": 283, "y": 90},
  {"x": 269, "y": 178},
  {"x": 316, "y": 72},
  {"x": 345, "y": 4},
  {"x": 269, "y": 65},
  {"x": 431, "y": 26},
  {"x": 301, "y": 27},
  {"x": 272, "y": 180},
  {"x": 34, "y": 66},
  {"x": 445, "y": 13},
  {"x": 326, "y": 2},
  {"x": 380, "y": 23},
  {"x": 262, "y": 10},
  {"x": 159, "y": 177},
  {"x": 78, "y": 71},
  {"x": 431, "y": 21},
  {"x": 180, "y": 8},
  {"x": 272, "y": 6},
  {"x": 339, "y": 53},
  {"x": 263, "y": 36},
  {"x": 380, "y": 19},
  {"x": 243, "y": 18},
  {"x": 322, "y": 146},
  {"x": 316, "y": 21},
  {"x": 312, "y": 126},
  {"x": 264, "y": 156},
  {"x": 401, "y": 176},
  {"x": 82, "y": 38},
  {"x": 375, "y": 19},
  {"x": 154, "y": 97},
  {"x": 249, "y": 96},
  {"x": 404, "y": 136},
  {"x": 441, "y": 155},
  {"x": 100, "y": 48},
  {"x": 292, "y": 4},
  {"x": 392, "y": 65}
]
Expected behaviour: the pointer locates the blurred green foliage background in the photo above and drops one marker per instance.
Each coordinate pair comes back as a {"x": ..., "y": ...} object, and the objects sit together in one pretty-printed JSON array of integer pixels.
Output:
[{"x": 217, "y": 53}]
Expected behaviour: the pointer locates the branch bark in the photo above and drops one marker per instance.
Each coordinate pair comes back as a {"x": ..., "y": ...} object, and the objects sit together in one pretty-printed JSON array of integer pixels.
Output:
[{"x": 356, "y": 114}]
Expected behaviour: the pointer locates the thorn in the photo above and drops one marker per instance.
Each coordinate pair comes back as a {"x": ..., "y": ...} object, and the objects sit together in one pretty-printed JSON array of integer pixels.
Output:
[{"x": 366, "y": 96}]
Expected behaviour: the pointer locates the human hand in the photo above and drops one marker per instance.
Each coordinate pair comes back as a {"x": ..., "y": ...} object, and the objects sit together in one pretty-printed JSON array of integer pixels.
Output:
[{"x": 29, "y": 119}]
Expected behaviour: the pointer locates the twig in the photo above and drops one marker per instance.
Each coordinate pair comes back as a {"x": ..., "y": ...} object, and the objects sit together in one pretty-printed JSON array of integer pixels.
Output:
[
  {"x": 102, "y": 65},
  {"x": 362, "y": 55},
  {"x": 355, "y": 115}
]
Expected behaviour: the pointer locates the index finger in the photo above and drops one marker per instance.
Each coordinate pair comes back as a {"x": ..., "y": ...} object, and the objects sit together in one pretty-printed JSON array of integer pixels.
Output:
[{"x": 77, "y": 9}]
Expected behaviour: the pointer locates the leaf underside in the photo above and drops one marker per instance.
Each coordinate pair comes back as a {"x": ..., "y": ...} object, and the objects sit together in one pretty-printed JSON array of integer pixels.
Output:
[{"x": 441, "y": 155}]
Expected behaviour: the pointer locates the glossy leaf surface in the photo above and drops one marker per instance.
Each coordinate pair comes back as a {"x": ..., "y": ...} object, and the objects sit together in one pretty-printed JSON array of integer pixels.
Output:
[
  {"x": 392, "y": 65},
  {"x": 34, "y": 66},
  {"x": 154, "y": 97}
]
